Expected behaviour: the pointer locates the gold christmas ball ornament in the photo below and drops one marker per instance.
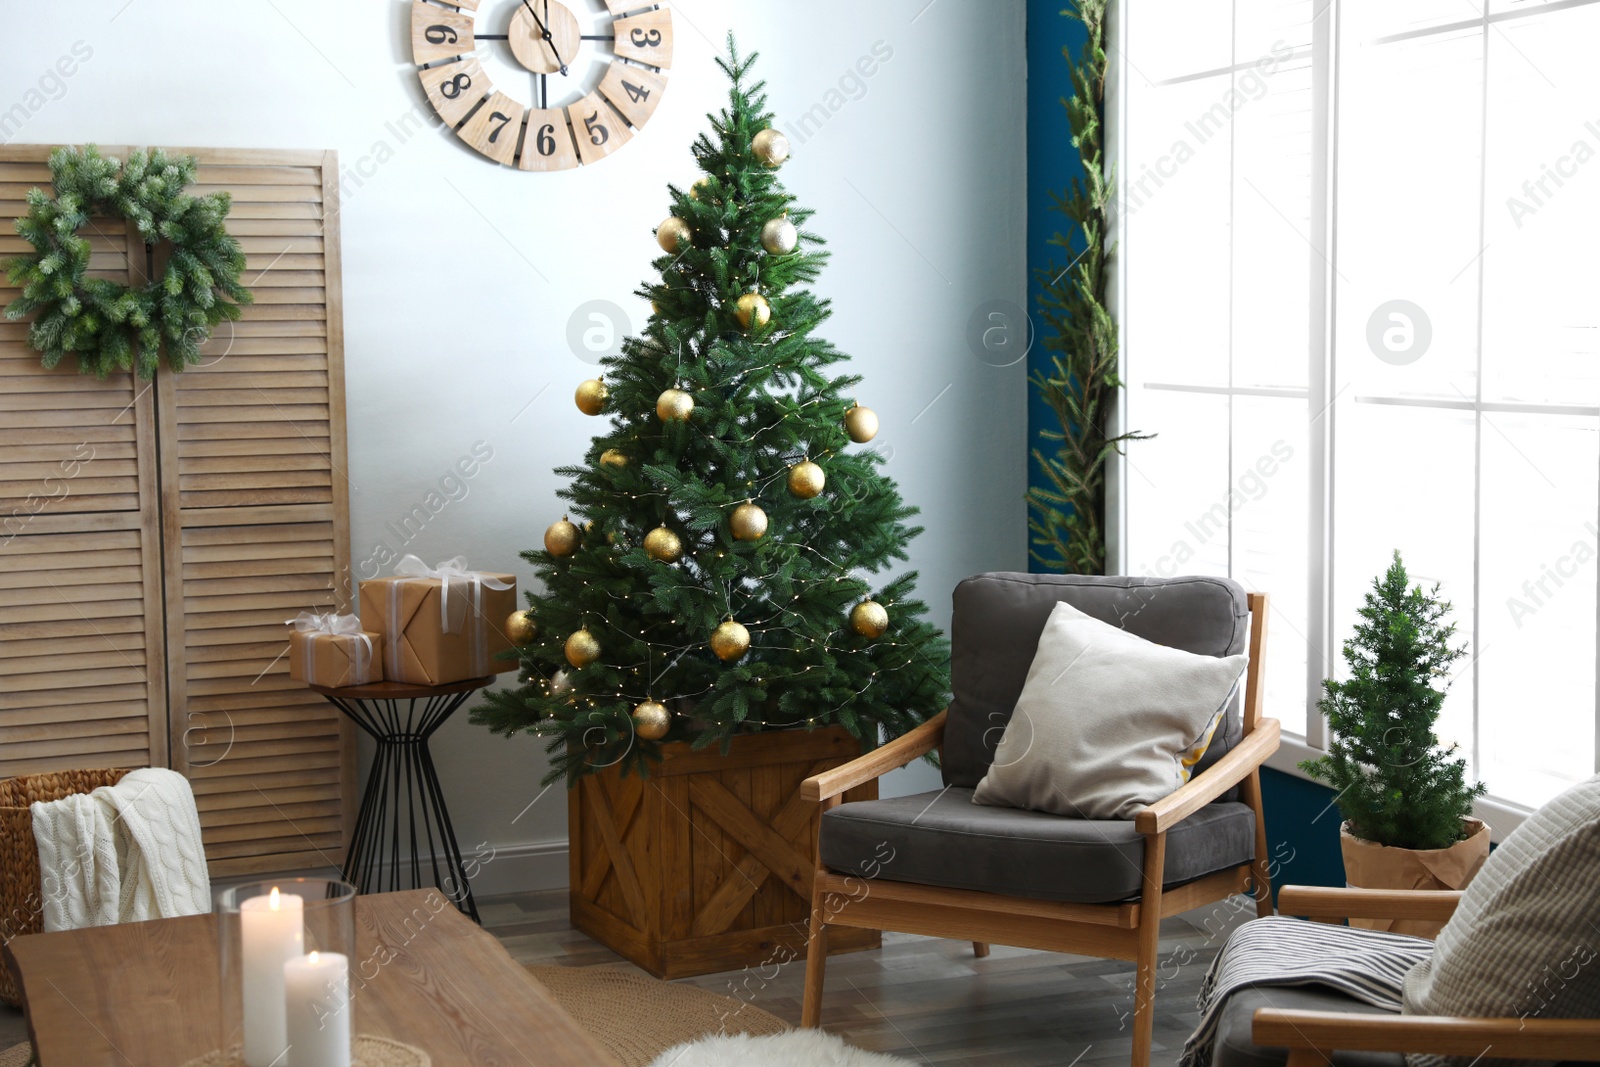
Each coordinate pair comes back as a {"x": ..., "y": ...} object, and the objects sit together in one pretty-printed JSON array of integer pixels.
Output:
[
  {"x": 752, "y": 308},
  {"x": 861, "y": 424},
  {"x": 562, "y": 538},
  {"x": 674, "y": 405},
  {"x": 591, "y": 396},
  {"x": 701, "y": 189},
  {"x": 730, "y": 641},
  {"x": 520, "y": 628},
  {"x": 869, "y": 619},
  {"x": 674, "y": 234},
  {"x": 771, "y": 147},
  {"x": 779, "y": 237},
  {"x": 560, "y": 682},
  {"x": 612, "y": 458},
  {"x": 582, "y": 649},
  {"x": 748, "y": 522},
  {"x": 651, "y": 721},
  {"x": 663, "y": 545},
  {"x": 806, "y": 480}
]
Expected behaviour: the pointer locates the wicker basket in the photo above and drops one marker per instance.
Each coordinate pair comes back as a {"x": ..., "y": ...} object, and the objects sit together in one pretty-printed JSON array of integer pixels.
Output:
[{"x": 21, "y": 896}]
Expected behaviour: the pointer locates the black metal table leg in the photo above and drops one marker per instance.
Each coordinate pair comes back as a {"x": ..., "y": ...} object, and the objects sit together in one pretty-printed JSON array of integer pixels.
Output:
[{"x": 403, "y": 816}]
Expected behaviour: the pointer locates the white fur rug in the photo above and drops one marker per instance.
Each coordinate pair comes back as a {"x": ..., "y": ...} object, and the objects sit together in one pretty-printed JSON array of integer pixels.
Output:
[{"x": 797, "y": 1048}]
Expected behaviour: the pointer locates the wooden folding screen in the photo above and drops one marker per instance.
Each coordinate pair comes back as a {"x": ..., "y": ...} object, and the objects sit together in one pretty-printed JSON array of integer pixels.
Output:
[{"x": 142, "y": 609}]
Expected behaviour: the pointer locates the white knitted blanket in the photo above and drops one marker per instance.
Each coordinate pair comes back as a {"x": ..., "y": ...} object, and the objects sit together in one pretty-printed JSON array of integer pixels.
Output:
[{"x": 122, "y": 853}]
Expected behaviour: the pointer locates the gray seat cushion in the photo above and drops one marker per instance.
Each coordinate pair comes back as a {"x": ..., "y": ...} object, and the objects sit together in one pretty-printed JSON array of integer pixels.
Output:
[
  {"x": 995, "y": 626},
  {"x": 1234, "y": 1048},
  {"x": 944, "y": 839}
]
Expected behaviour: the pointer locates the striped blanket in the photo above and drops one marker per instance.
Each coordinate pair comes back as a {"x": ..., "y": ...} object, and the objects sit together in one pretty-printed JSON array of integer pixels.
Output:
[{"x": 1368, "y": 965}]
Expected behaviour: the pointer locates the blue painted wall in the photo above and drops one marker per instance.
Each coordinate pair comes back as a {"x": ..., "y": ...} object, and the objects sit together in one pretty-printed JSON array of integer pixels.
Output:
[{"x": 1302, "y": 829}]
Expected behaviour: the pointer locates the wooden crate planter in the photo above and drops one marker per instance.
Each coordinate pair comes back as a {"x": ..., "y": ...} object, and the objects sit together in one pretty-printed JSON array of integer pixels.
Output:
[{"x": 706, "y": 865}]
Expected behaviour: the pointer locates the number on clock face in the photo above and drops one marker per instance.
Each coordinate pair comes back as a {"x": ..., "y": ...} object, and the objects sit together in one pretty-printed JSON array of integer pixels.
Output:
[{"x": 545, "y": 40}]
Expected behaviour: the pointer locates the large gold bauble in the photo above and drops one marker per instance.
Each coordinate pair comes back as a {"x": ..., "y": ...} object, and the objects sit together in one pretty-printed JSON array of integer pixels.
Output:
[
  {"x": 562, "y": 538},
  {"x": 752, "y": 308},
  {"x": 612, "y": 458},
  {"x": 806, "y": 480},
  {"x": 520, "y": 628},
  {"x": 779, "y": 237},
  {"x": 674, "y": 405},
  {"x": 662, "y": 544},
  {"x": 674, "y": 235},
  {"x": 651, "y": 721},
  {"x": 730, "y": 641},
  {"x": 869, "y": 619},
  {"x": 748, "y": 523},
  {"x": 861, "y": 424},
  {"x": 771, "y": 147},
  {"x": 591, "y": 396},
  {"x": 582, "y": 649}
]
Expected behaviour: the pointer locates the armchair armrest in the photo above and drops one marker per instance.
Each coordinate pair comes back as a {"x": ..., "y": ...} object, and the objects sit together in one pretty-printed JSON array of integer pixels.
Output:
[
  {"x": 1245, "y": 758},
  {"x": 1327, "y": 1031},
  {"x": 880, "y": 761},
  {"x": 1325, "y": 902}
]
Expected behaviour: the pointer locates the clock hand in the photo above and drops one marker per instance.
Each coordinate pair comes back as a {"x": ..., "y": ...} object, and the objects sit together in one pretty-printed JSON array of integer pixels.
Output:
[{"x": 546, "y": 35}]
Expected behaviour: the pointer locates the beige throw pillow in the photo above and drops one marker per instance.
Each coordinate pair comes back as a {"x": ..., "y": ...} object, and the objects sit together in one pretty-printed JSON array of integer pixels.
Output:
[{"x": 1107, "y": 722}]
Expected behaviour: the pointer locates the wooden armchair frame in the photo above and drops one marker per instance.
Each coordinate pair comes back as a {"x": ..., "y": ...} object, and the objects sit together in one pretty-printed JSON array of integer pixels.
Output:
[
  {"x": 1313, "y": 1036},
  {"x": 1128, "y": 930}
]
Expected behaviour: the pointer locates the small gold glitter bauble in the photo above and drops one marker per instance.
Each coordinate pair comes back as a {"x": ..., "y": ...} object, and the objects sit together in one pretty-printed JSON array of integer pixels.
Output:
[
  {"x": 748, "y": 523},
  {"x": 674, "y": 234},
  {"x": 752, "y": 308},
  {"x": 612, "y": 458},
  {"x": 562, "y": 538},
  {"x": 869, "y": 619},
  {"x": 771, "y": 147},
  {"x": 779, "y": 236},
  {"x": 521, "y": 628},
  {"x": 674, "y": 405},
  {"x": 806, "y": 480},
  {"x": 651, "y": 721},
  {"x": 700, "y": 189},
  {"x": 662, "y": 544},
  {"x": 591, "y": 396},
  {"x": 582, "y": 649},
  {"x": 730, "y": 641},
  {"x": 861, "y": 424}
]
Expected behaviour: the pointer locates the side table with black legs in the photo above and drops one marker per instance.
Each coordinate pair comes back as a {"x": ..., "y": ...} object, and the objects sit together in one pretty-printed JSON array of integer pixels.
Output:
[{"x": 403, "y": 804}]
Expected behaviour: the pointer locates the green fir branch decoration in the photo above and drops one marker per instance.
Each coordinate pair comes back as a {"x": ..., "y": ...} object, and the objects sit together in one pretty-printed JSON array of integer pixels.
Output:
[
  {"x": 765, "y": 398},
  {"x": 107, "y": 326},
  {"x": 1397, "y": 785},
  {"x": 1067, "y": 520}
]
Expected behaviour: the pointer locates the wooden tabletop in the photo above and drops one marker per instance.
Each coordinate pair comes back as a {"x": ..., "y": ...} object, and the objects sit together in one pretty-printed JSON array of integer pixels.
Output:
[
  {"x": 145, "y": 994},
  {"x": 401, "y": 690}
]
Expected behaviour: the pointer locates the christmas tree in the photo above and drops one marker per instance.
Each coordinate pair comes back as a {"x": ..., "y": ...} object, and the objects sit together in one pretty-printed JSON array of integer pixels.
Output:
[{"x": 711, "y": 577}]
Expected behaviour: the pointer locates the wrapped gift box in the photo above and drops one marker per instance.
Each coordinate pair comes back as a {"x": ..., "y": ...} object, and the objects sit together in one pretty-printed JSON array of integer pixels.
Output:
[
  {"x": 440, "y": 624},
  {"x": 334, "y": 651}
]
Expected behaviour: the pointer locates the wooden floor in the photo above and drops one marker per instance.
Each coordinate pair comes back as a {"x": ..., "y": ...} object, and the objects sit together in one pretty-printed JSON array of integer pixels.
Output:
[{"x": 921, "y": 998}]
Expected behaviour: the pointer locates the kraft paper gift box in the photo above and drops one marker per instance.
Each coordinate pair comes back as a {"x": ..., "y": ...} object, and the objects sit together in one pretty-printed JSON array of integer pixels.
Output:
[
  {"x": 440, "y": 624},
  {"x": 334, "y": 651}
]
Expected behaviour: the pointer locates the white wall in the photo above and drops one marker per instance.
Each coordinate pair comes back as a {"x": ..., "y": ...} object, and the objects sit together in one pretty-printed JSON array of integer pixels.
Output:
[{"x": 460, "y": 276}]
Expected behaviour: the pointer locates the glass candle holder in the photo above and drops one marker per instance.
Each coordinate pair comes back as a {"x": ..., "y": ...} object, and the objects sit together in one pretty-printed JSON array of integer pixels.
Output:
[{"x": 284, "y": 952}]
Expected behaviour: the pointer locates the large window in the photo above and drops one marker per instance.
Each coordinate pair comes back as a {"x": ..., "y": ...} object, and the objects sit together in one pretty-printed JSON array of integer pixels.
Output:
[{"x": 1359, "y": 303}]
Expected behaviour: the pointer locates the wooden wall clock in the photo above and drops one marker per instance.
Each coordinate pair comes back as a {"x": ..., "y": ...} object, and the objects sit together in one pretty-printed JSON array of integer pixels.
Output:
[{"x": 568, "y": 121}]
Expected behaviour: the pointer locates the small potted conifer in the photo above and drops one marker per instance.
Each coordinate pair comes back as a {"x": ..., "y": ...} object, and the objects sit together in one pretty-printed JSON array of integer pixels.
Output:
[{"x": 1406, "y": 803}]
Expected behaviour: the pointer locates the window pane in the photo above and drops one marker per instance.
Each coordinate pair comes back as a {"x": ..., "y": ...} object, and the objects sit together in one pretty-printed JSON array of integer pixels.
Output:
[
  {"x": 1367, "y": 19},
  {"x": 1536, "y": 659},
  {"x": 1178, "y": 484},
  {"x": 1170, "y": 40}
]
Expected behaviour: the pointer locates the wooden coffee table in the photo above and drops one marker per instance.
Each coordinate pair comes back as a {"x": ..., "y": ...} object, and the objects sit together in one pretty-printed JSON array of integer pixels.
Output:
[{"x": 145, "y": 994}]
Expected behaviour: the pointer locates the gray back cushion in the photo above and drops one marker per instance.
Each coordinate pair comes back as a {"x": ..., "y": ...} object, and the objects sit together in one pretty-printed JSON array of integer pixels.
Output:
[{"x": 995, "y": 626}]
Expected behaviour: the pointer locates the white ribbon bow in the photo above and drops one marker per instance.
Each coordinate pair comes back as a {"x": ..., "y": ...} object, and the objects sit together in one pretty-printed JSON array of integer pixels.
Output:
[
  {"x": 310, "y": 622},
  {"x": 452, "y": 574}
]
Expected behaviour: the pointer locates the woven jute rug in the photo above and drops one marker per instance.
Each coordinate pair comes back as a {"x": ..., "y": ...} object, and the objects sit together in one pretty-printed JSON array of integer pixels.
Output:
[
  {"x": 637, "y": 1017},
  {"x": 370, "y": 1052},
  {"x": 17, "y": 1056}
]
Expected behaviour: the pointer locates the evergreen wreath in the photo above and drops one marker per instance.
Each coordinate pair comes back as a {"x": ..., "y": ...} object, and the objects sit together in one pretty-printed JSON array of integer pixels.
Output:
[{"x": 109, "y": 326}]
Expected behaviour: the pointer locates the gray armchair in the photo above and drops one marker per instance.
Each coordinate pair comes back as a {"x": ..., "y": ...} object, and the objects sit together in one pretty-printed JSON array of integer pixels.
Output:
[{"x": 940, "y": 865}]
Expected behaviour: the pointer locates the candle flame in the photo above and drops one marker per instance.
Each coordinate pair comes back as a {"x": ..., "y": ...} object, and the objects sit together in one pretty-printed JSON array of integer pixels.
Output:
[
  {"x": 272, "y": 899},
  {"x": 313, "y": 958}
]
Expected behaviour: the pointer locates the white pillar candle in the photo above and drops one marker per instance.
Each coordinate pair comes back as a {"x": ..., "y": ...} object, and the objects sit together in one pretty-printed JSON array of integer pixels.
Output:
[
  {"x": 317, "y": 995},
  {"x": 272, "y": 931}
]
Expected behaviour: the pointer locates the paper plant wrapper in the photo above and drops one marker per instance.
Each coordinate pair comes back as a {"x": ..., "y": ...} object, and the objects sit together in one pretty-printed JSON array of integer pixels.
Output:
[
  {"x": 1372, "y": 866},
  {"x": 418, "y": 646},
  {"x": 335, "y": 660}
]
